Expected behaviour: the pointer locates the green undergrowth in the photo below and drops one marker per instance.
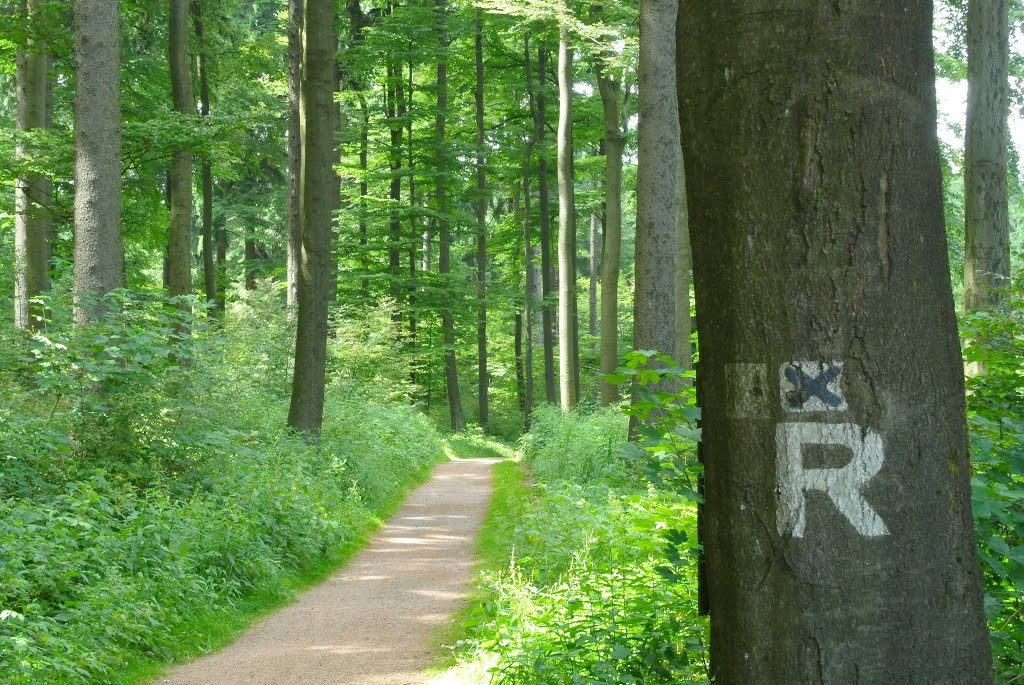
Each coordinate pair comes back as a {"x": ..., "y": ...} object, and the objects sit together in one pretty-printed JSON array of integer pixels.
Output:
[
  {"x": 575, "y": 586},
  {"x": 152, "y": 501}
]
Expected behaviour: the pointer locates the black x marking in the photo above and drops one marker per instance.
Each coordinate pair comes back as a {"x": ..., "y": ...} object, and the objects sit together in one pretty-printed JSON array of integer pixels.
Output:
[{"x": 808, "y": 386}]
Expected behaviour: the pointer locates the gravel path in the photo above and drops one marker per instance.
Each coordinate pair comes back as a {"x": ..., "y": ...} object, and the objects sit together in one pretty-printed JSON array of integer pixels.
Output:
[{"x": 372, "y": 622}]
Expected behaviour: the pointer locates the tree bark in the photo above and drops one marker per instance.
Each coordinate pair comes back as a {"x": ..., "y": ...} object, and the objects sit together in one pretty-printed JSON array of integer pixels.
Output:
[
  {"x": 179, "y": 231},
  {"x": 481, "y": 230},
  {"x": 319, "y": 79},
  {"x": 33, "y": 194},
  {"x": 364, "y": 190},
  {"x": 209, "y": 267},
  {"x": 614, "y": 142},
  {"x": 528, "y": 267},
  {"x": 838, "y": 528},
  {"x": 567, "y": 349},
  {"x": 592, "y": 274},
  {"x": 294, "y": 255},
  {"x": 395, "y": 112},
  {"x": 99, "y": 262},
  {"x": 451, "y": 372},
  {"x": 683, "y": 351},
  {"x": 221, "y": 236},
  {"x": 986, "y": 209},
  {"x": 547, "y": 280}
]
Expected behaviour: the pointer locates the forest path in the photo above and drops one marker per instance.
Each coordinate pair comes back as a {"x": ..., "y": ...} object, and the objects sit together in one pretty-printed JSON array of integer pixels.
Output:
[{"x": 372, "y": 622}]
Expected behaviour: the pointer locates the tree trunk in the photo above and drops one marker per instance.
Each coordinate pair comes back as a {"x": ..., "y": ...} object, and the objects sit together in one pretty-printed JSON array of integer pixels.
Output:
[
  {"x": 364, "y": 190},
  {"x": 986, "y": 211},
  {"x": 592, "y": 275},
  {"x": 683, "y": 350},
  {"x": 33, "y": 194},
  {"x": 838, "y": 528},
  {"x": 547, "y": 280},
  {"x": 395, "y": 111},
  {"x": 481, "y": 230},
  {"x": 528, "y": 268},
  {"x": 451, "y": 372},
  {"x": 319, "y": 70},
  {"x": 209, "y": 268},
  {"x": 251, "y": 256},
  {"x": 99, "y": 262},
  {"x": 221, "y": 234},
  {"x": 294, "y": 257},
  {"x": 612, "y": 243},
  {"x": 179, "y": 231},
  {"x": 567, "y": 350}
]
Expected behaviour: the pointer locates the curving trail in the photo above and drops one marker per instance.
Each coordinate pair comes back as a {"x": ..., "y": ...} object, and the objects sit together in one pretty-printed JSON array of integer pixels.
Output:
[{"x": 372, "y": 622}]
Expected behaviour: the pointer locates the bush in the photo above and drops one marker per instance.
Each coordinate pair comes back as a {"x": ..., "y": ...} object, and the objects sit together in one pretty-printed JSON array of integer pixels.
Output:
[{"x": 137, "y": 498}]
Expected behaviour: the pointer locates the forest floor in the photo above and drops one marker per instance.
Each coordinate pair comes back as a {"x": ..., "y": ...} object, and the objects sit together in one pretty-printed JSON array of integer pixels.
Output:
[{"x": 375, "y": 621}]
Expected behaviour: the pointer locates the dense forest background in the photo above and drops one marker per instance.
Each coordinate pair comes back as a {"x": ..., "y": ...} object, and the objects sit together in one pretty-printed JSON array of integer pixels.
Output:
[{"x": 149, "y": 480}]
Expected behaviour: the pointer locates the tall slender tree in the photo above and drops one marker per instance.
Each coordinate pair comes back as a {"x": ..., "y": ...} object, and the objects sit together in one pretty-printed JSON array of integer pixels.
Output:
[
  {"x": 294, "y": 247},
  {"x": 451, "y": 371},
  {"x": 481, "y": 227},
  {"x": 99, "y": 261},
  {"x": 986, "y": 205},
  {"x": 838, "y": 528},
  {"x": 33, "y": 193},
  {"x": 179, "y": 232},
  {"x": 319, "y": 80},
  {"x": 203, "y": 68},
  {"x": 614, "y": 143},
  {"x": 548, "y": 287},
  {"x": 568, "y": 351}
]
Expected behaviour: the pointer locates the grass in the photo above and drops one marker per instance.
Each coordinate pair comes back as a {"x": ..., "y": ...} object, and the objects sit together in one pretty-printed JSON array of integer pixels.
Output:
[{"x": 209, "y": 631}]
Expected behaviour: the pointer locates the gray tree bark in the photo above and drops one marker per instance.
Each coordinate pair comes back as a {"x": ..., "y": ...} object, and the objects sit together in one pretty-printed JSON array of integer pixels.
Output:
[
  {"x": 683, "y": 351},
  {"x": 33, "y": 194},
  {"x": 568, "y": 361},
  {"x": 614, "y": 141},
  {"x": 99, "y": 262},
  {"x": 294, "y": 254},
  {"x": 592, "y": 274},
  {"x": 179, "y": 231},
  {"x": 319, "y": 80},
  {"x": 451, "y": 371},
  {"x": 837, "y": 526},
  {"x": 659, "y": 162},
  {"x": 481, "y": 230},
  {"x": 986, "y": 210}
]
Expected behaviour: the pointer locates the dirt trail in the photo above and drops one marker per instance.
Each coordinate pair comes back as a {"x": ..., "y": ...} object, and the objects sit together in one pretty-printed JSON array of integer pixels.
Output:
[{"x": 371, "y": 623}]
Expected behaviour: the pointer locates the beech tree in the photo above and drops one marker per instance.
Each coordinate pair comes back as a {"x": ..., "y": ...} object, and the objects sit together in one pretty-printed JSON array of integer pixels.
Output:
[
  {"x": 986, "y": 208},
  {"x": 837, "y": 519},
  {"x": 99, "y": 262},
  {"x": 568, "y": 350},
  {"x": 179, "y": 232},
  {"x": 33, "y": 193},
  {"x": 317, "y": 199}
]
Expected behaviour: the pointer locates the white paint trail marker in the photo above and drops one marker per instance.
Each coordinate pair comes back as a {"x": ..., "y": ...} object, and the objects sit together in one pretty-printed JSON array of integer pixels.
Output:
[{"x": 843, "y": 486}]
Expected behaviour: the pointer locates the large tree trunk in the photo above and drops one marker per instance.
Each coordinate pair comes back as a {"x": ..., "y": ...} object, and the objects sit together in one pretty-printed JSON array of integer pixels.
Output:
[
  {"x": 294, "y": 255},
  {"x": 986, "y": 212},
  {"x": 319, "y": 78},
  {"x": 32, "y": 194},
  {"x": 221, "y": 239},
  {"x": 364, "y": 190},
  {"x": 567, "y": 349},
  {"x": 658, "y": 197},
  {"x": 99, "y": 262},
  {"x": 838, "y": 527},
  {"x": 612, "y": 243},
  {"x": 451, "y": 372},
  {"x": 547, "y": 278},
  {"x": 209, "y": 268},
  {"x": 683, "y": 350},
  {"x": 179, "y": 231},
  {"x": 481, "y": 230}
]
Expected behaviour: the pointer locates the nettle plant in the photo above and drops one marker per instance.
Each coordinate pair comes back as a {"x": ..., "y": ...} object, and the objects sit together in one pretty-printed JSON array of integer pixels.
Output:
[{"x": 123, "y": 383}]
